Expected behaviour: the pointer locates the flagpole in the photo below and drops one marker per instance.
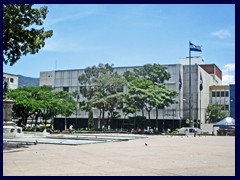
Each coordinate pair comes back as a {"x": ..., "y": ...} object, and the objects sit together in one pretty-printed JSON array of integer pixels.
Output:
[
  {"x": 200, "y": 106},
  {"x": 179, "y": 111},
  {"x": 201, "y": 88},
  {"x": 179, "y": 96},
  {"x": 192, "y": 47},
  {"x": 189, "y": 87}
]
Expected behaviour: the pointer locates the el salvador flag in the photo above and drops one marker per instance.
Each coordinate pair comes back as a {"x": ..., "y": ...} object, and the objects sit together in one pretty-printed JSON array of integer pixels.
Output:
[
  {"x": 180, "y": 82},
  {"x": 194, "y": 47},
  {"x": 201, "y": 83}
]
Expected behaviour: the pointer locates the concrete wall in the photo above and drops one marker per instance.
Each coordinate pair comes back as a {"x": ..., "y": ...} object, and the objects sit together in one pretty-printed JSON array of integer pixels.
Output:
[
  {"x": 11, "y": 79},
  {"x": 47, "y": 78}
]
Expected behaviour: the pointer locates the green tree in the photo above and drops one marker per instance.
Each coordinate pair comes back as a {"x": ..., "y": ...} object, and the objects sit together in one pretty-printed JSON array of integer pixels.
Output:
[
  {"x": 40, "y": 101},
  {"x": 108, "y": 94},
  {"x": 103, "y": 90},
  {"x": 19, "y": 36},
  {"x": 215, "y": 113},
  {"x": 147, "y": 90},
  {"x": 154, "y": 73}
]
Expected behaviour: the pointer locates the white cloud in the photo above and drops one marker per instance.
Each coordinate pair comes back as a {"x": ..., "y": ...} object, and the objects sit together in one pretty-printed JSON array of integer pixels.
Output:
[
  {"x": 228, "y": 79},
  {"x": 68, "y": 45},
  {"x": 228, "y": 76},
  {"x": 222, "y": 34},
  {"x": 228, "y": 68},
  {"x": 68, "y": 17}
]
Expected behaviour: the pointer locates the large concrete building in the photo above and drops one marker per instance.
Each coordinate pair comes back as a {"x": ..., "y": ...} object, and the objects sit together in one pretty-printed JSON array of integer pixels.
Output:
[{"x": 174, "y": 116}]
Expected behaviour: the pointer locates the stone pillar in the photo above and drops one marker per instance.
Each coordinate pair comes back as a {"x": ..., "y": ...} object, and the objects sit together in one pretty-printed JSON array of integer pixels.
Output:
[{"x": 7, "y": 112}]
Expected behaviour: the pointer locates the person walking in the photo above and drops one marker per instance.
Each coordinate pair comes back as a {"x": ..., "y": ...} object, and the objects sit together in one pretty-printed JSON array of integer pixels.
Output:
[{"x": 70, "y": 129}]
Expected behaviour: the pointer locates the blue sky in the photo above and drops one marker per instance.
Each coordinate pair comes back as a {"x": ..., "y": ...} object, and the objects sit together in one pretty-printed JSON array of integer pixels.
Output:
[{"x": 133, "y": 35}]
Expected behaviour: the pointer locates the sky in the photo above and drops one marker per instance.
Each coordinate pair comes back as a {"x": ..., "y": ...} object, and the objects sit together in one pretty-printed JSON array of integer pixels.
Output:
[{"x": 133, "y": 35}]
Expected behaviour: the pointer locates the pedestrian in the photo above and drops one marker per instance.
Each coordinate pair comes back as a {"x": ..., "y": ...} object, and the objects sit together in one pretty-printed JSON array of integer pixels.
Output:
[
  {"x": 70, "y": 129},
  {"x": 195, "y": 132},
  {"x": 132, "y": 130}
]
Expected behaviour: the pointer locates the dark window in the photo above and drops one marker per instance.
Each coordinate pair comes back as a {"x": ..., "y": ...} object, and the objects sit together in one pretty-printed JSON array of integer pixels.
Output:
[
  {"x": 218, "y": 94},
  {"x": 226, "y": 94},
  {"x": 11, "y": 80},
  {"x": 66, "y": 89},
  {"x": 213, "y": 94},
  {"x": 226, "y": 107},
  {"x": 222, "y": 94}
]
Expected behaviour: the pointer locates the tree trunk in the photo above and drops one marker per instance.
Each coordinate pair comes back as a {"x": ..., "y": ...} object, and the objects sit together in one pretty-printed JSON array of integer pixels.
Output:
[
  {"x": 24, "y": 123},
  {"x": 123, "y": 120},
  {"x": 142, "y": 112},
  {"x": 156, "y": 113},
  {"x": 149, "y": 115},
  {"x": 99, "y": 119},
  {"x": 37, "y": 115},
  {"x": 20, "y": 121},
  {"x": 156, "y": 119}
]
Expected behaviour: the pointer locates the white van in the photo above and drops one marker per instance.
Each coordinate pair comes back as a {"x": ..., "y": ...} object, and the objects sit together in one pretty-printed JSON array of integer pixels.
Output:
[{"x": 189, "y": 130}]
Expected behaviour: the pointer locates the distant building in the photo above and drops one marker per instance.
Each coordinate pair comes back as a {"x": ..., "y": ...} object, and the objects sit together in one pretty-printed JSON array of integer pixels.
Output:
[
  {"x": 172, "y": 117},
  {"x": 220, "y": 95},
  {"x": 11, "y": 80}
]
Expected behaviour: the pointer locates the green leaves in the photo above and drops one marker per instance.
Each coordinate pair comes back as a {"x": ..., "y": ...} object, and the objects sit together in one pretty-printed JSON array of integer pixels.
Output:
[
  {"x": 215, "y": 113},
  {"x": 146, "y": 88},
  {"x": 18, "y": 38},
  {"x": 102, "y": 89},
  {"x": 41, "y": 100}
]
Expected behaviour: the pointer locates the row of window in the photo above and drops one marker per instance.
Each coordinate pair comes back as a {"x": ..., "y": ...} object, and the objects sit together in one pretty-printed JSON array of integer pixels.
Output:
[
  {"x": 11, "y": 79},
  {"x": 214, "y": 93},
  {"x": 220, "y": 94}
]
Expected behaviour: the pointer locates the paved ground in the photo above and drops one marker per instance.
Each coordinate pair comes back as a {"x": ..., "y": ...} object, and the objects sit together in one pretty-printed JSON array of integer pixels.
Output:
[{"x": 164, "y": 156}]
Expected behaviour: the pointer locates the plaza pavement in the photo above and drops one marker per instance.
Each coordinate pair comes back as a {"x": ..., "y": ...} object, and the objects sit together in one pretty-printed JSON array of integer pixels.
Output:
[{"x": 163, "y": 156}]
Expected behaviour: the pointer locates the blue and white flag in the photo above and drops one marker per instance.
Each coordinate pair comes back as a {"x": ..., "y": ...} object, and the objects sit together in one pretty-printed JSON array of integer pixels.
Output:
[
  {"x": 194, "y": 47},
  {"x": 180, "y": 82},
  {"x": 201, "y": 83}
]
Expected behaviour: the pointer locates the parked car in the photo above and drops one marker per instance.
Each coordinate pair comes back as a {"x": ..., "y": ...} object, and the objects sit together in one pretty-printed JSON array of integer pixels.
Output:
[{"x": 189, "y": 130}]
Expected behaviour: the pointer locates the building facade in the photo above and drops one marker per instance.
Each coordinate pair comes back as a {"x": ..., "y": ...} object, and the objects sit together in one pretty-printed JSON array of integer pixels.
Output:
[
  {"x": 220, "y": 95},
  {"x": 11, "y": 80},
  {"x": 172, "y": 117}
]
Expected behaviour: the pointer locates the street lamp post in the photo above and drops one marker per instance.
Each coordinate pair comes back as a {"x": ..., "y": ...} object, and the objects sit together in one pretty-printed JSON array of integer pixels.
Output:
[
  {"x": 76, "y": 111},
  {"x": 163, "y": 118}
]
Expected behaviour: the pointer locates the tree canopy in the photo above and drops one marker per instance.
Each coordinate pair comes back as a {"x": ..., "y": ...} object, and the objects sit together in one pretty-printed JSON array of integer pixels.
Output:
[
  {"x": 40, "y": 101},
  {"x": 214, "y": 113},
  {"x": 146, "y": 88},
  {"x": 20, "y": 35},
  {"x": 103, "y": 89}
]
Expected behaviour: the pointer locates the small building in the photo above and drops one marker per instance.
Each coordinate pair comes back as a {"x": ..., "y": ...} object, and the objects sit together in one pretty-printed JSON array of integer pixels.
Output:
[
  {"x": 220, "y": 95},
  {"x": 11, "y": 80}
]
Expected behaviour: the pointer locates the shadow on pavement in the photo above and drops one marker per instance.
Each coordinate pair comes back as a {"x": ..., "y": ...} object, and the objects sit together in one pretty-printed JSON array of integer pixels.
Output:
[{"x": 15, "y": 145}]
